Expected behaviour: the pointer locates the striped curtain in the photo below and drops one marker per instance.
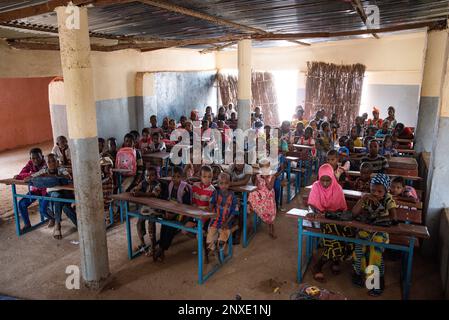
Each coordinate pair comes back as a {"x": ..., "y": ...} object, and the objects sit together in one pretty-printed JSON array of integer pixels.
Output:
[
  {"x": 263, "y": 94},
  {"x": 336, "y": 89}
]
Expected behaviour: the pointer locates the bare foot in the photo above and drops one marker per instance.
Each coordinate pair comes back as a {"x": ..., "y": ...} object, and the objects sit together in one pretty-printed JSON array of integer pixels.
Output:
[
  {"x": 57, "y": 232},
  {"x": 51, "y": 224}
]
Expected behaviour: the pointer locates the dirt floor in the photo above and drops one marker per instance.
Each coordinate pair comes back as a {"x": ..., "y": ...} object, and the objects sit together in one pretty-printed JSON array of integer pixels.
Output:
[{"x": 33, "y": 266}]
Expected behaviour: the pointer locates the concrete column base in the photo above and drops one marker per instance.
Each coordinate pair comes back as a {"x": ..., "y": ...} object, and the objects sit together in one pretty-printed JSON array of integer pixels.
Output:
[{"x": 244, "y": 115}]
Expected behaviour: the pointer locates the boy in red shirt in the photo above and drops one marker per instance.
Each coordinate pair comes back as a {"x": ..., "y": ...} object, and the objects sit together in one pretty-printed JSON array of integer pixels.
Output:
[{"x": 36, "y": 163}]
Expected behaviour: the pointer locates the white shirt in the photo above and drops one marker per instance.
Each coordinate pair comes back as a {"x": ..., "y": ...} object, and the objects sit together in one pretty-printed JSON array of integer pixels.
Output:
[{"x": 58, "y": 153}]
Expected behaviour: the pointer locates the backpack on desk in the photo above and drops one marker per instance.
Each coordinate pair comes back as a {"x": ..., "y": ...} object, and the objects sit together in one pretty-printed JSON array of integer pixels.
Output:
[{"x": 126, "y": 159}]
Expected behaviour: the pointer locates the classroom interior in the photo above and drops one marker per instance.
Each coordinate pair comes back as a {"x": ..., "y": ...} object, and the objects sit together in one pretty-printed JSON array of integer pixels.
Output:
[{"x": 125, "y": 61}]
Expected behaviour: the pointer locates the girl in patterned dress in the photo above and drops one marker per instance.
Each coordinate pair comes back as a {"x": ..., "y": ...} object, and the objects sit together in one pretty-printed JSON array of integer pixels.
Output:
[{"x": 262, "y": 200}]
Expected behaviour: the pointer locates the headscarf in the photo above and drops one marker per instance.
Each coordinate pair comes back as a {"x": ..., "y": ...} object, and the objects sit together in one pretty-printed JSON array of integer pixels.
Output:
[
  {"x": 343, "y": 150},
  {"x": 382, "y": 179},
  {"x": 331, "y": 199},
  {"x": 375, "y": 109}
]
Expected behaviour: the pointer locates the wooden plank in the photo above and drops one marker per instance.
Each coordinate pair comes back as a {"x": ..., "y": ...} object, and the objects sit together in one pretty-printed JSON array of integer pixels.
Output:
[
  {"x": 168, "y": 206},
  {"x": 357, "y": 174},
  {"x": 24, "y": 183},
  {"x": 301, "y": 146},
  {"x": 400, "y": 229}
]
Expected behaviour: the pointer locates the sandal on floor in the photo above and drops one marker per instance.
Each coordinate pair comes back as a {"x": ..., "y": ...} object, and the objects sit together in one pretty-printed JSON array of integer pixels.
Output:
[
  {"x": 375, "y": 292},
  {"x": 57, "y": 233}
]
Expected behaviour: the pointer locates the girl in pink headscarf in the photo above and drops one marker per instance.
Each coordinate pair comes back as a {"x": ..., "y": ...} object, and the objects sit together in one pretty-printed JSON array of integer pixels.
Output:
[{"x": 327, "y": 196}]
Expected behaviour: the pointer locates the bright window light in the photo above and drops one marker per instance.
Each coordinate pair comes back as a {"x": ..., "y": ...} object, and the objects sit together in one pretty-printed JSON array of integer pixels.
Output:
[{"x": 286, "y": 83}]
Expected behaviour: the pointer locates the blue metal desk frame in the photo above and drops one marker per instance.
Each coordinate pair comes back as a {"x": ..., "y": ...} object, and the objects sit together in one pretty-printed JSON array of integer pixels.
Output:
[
  {"x": 198, "y": 231},
  {"x": 406, "y": 262},
  {"x": 16, "y": 195}
]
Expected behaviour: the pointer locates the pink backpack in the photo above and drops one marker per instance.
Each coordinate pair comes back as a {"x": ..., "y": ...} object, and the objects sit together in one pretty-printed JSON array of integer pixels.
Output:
[{"x": 126, "y": 159}]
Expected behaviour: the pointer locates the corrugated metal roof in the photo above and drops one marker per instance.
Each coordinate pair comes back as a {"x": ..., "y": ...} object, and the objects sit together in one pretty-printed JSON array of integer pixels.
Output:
[{"x": 277, "y": 16}]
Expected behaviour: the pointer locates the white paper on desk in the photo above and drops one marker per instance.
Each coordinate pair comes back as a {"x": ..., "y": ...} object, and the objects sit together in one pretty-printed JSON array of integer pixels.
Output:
[{"x": 301, "y": 213}]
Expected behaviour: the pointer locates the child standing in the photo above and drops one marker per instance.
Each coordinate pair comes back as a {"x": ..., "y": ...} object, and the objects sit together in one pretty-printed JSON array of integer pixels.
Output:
[
  {"x": 178, "y": 192},
  {"x": 149, "y": 187},
  {"x": 35, "y": 164},
  {"x": 325, "y": 142},
  {"x": 378, "y": 204},
  {"x": 130, "y": 183},
  {"x": 111, "y": 149},
  {"x": 224, "y": 203},
  {"x": 327, "y": 196},
  {"x": 62, "y": 151},
  {"x": 153, "y": 126},
  {"x": 262, "y": 201},
  {"x": 107, "y": 183},
  {"x": 299, "y": 132},
  {"x": 375, "y": 121},
  {"x": 391, "y": 118}
]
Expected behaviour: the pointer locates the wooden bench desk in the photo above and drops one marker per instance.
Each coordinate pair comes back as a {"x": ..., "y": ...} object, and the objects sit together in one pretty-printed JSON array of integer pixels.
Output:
[
  {"x": 412, "y": 232},
  {"x": 158, "y": 158},
  {"x": 185, "y": 210},
  {"x": 13, "y": 183}
]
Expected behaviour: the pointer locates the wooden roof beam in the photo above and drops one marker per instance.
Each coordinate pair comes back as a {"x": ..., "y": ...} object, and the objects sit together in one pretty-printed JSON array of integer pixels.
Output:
[
  {"x": 207, "y": 17},
  {"x": 50, "y": 6},
  {"x": 357, "y": 5}
]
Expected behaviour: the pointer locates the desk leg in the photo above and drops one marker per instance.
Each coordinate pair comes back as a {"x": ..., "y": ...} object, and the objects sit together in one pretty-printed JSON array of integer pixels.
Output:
[
  {"x": 200, "y": 250},
  {"x": 408, "y": 273},
  {"x": 254, "y": 223},
  {"x": 299, "y": 273},
  {"x": 111, "y": 214},
  {"x": 120, "y": 201},
  {"x": 16, "y": 209},
  {"x": 306, "y": 172},
  {"x": 128, "y": 233},
  {"x": 166, "y": 167},
  {"x": 289, "y": 172},
  {"x": 245, "y": 218}
]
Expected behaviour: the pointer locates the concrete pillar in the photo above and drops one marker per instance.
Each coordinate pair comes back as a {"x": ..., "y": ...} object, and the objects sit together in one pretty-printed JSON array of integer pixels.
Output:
[
  {"x": 82, "y": 128},
  {"x": 244, "y": 84},
  {"x": 438, "y": 188},
  {"x": 430, "y": 90}
]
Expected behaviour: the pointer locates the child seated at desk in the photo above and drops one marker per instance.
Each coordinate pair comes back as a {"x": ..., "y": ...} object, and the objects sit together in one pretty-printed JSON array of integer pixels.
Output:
[
  {"x": 379, "y": 163},
  {"x": 53, "y": 169},
  {"x": 371, "y": 132},
  {"x": 136, "y": 136},
  {"x": 156, "y": 145},
  {"x": 221, "y": 114},
  {"x": 378, "y": 204},
  {"x": 262, "y": 201},
  {"x": 145, "y": 141},
  {"x": 324, "y": 141},
  {"x": 224, "y": 203},
  {"x": 401, "y": 191},
  {"x": 149, "y": 187},
  {"x": 62, "y": 151},
  {"x": 387, "y": 149},
  {"x": 327, "y": 195},
  {"x": 299, "y": 131},
  {"x": 355, "y": 138},
  {"x": 101, "y": 145},
  {"x": 363, "y": 182},
  {"x": 111, "y": 150},
  {"x": 382, "y": 132},
  {"x": 375, "y": 121},
  {"x": 35, "y": 164},
  {"x": 180, "y": 192},
  {"x": 233, "y": 121}
]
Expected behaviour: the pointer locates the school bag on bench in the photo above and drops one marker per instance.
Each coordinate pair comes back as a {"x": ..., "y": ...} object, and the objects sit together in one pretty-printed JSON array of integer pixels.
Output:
[
  {"x": 49, "y": 182},
  {"x": 126, "y": 159}
]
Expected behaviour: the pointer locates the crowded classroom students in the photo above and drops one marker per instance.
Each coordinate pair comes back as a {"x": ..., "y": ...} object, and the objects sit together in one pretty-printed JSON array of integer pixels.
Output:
[{"x": 209, "y": 187}]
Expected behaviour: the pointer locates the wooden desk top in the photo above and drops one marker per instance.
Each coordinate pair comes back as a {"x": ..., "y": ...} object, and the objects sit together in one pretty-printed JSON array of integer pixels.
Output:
[
  {"x": 403, "y": 229},
  {"x": 403, "y": 160},
  {"x": 168, "y": 206},
  {"x": 157, "y": 155},
  {"x": 414, "y": 178},
  {"x": 23, "y": 183},
  {"x": 292, "y": 158}
]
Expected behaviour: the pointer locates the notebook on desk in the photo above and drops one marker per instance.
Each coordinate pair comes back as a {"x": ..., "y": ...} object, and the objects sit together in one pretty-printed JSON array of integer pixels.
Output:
[{"x": 301, "y": 213}]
